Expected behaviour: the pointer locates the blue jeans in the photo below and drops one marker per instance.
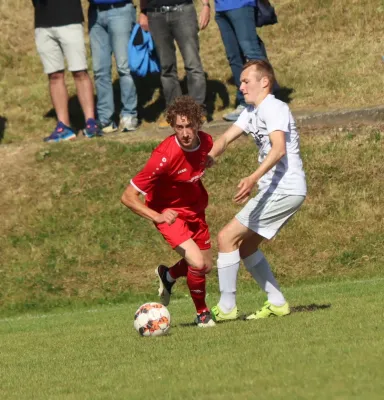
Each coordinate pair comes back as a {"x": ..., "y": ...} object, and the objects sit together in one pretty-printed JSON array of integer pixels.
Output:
[
  {"x": 109, "y": 31},
  {"x": 180, "y": 26},
  {"x": 241, "y": 42}
]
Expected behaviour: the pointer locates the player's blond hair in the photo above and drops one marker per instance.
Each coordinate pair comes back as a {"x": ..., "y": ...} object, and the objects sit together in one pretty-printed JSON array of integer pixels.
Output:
[
  {"x": 185, "y": 106},
  {"x": 263, "y": 69}
]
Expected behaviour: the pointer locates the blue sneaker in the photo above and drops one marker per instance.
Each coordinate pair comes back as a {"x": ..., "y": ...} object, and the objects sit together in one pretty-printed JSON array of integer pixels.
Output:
[
  {"x": 62, "y": 132},
  {"x": 92, "y": 128}
]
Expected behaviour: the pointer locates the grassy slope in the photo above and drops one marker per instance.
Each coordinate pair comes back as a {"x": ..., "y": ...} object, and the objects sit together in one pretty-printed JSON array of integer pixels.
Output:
[
  {"x": 65, "y": 237},
  {"x": 329, "y": 354},
  {"x": 327, "y": 52}
]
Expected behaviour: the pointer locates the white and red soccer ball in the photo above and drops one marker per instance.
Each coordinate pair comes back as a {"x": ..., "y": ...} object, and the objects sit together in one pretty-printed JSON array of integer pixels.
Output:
[{"x": 152, "y": 319}]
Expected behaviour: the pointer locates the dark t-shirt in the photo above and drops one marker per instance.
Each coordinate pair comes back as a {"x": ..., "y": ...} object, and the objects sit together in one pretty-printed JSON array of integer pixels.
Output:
[
  {"x": 51, "y": 13},
  {"x": 159, "y": 3}
]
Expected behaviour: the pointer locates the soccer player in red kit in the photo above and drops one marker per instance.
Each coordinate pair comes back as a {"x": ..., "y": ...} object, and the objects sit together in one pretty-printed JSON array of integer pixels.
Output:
[{"x": 175, "y": 201}]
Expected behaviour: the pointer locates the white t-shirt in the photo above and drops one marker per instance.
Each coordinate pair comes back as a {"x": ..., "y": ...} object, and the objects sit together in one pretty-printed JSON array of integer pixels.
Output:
[{"x": 287, "y": 176}]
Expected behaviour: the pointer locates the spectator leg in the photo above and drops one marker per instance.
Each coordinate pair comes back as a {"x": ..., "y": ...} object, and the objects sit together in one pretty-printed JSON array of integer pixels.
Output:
[
  {"x": 85, "y": 93},
  {"x": 59, "y": 96}
]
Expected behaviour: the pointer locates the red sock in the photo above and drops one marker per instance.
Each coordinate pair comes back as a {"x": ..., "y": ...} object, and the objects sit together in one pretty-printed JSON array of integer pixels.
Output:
[
  {"x": 196, "y": 284},
  {"x": 179, "y": 269}
]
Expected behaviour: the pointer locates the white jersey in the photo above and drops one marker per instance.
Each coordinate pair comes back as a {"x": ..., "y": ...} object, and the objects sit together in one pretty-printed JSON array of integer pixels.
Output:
[{"x": 287, "y": 176}]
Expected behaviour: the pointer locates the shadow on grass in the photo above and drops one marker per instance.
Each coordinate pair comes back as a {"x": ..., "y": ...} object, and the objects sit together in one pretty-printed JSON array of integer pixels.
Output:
[
  {"x": 295, "y": 309},
  {"x": 284, "y": 94},
  {"x": 310, "y": 307},
  {"x": 146, "y": 88},
  {"x": 3, "y": 125}
]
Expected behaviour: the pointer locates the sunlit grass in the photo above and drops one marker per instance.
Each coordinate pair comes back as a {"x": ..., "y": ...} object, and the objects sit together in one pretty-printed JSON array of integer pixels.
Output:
[
  {"x": 65, "y": 237},
  {"x": 96, "y": 354},
  {"x": 327, "y": 55}
]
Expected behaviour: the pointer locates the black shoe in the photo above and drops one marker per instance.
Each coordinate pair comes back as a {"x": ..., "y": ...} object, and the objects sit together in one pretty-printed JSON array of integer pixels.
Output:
[
  {"x": 165, "y": 287},
  {"x": 205, "y": 320}
]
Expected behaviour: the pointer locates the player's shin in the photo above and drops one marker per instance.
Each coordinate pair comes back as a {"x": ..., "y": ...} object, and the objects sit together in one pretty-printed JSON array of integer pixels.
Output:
[
  {"x": 261, "y": 271},
  {"x": 196, "y": 285},
  {"x": 178, "y": 270},
  {"x": 227, "y": 269}
]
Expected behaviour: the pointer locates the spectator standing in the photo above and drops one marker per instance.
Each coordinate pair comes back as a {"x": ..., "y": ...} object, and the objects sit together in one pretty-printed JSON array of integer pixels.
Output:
[
  {"x": 176, "y": 20},
  {"x": 110, "y": 26},
  {"x": 237, "y": 24},
  {"x": 59, "y": 34}
]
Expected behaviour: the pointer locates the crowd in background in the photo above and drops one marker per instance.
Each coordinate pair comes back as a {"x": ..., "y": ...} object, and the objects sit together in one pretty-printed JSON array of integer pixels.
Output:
[{"x": 59, "y": 36}]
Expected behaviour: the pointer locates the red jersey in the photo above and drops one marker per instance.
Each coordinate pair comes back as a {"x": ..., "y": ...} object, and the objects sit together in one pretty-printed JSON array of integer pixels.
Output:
[{"x": 171, "y": 177}]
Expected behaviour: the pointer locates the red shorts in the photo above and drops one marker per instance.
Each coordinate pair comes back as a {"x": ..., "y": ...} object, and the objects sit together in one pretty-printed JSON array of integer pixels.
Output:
[{"x": 195, "y": 228}]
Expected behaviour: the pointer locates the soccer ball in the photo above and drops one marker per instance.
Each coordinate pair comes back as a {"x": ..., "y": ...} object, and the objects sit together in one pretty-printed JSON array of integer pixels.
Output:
[{"x": 152, "y": 319}]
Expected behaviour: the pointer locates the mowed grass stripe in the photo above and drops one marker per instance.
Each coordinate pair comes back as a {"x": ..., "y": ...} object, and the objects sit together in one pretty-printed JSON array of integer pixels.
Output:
[
  {"x": 333, "y": 353},
  {"x": 151, "y": 297}
]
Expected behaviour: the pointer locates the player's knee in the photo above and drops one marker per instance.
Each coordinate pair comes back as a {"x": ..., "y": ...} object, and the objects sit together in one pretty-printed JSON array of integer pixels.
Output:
[
  {"x": 208, "y": 267},
  {"x": 199, "y": 271},
  {"x": 198, "y": 263},
  {"x": 223, "y": 239}
]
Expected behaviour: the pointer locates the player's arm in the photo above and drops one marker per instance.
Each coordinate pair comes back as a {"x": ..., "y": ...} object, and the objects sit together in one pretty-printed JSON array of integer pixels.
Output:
[
  {"x": 277, "y": 152},
  {"x": 131, "y": 199},
  {"x": 143, "y": 19},
  {"x": 221, "y": 144},
  {"x": 205, "y": 14}
]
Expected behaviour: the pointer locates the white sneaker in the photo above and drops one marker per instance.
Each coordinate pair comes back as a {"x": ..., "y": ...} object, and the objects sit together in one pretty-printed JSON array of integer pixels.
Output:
[
  {"x": 128, "y": 123},
  {"x": 233, "y": 115}
]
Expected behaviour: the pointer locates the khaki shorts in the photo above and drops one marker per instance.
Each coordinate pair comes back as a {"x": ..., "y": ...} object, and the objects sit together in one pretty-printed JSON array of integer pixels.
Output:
[
  {"x": 266, "y": 213},
  {"x": 53, "y": 44}
]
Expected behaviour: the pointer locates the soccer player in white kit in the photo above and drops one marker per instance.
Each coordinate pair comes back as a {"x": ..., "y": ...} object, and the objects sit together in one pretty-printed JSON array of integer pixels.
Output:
[{"x": 281, "y": 192}]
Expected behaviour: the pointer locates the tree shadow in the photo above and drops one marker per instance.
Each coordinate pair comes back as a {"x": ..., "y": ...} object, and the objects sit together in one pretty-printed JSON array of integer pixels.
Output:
[
  {"x": 3, "y": 125},
  {"x": 149, "y": 109}
]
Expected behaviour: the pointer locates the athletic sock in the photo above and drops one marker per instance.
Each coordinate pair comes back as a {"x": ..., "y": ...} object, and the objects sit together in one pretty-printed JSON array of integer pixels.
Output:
[
  {"x": 178, "y": 270},
  {"x": 227, "y": 269},
  {"x": 261, "y": 271},
  {"x": 196, "y": 285}
]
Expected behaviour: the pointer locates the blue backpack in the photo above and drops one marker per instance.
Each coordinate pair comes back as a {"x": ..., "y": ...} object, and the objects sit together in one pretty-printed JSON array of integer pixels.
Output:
[{"x": 141, "y": 53}]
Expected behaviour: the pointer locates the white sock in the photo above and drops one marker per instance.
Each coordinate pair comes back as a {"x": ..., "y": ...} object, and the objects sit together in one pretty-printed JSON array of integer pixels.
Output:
[
  {"x": 169, "y": 278},
  {"x": 259, "y": 268},
  {"x": 227, "y": 268}
]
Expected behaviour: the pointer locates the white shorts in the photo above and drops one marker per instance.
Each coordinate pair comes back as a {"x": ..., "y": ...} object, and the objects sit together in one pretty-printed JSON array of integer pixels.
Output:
[
  {"x": 53, "y": 44},
  {"x": 266, "y": 213}
]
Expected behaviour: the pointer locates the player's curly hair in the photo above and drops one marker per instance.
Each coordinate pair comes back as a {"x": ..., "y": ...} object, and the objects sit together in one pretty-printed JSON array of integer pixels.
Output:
[{"x": 187, "y": 107}]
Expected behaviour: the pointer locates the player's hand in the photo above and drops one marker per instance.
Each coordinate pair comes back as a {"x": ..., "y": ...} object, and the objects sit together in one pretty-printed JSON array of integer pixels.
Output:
[
  {"x": 209, "y": 161},
  {"x": 245, "y": 187},
  {"x": 204, "y": 18},
  {"x": 143, "y": 21},
  {"x": 168, "y": 216}
]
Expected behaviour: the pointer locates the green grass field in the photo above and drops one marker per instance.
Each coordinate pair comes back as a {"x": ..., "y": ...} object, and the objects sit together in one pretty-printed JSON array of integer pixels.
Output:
[
  {"x": 66, "y": 238},
  {"x": 331, "y": 353}
]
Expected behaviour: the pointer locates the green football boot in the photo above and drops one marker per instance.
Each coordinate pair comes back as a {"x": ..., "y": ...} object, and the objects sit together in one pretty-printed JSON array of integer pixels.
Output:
[
  {"x": 220, "y": 316},
  {"x": 269, "y": 310}
]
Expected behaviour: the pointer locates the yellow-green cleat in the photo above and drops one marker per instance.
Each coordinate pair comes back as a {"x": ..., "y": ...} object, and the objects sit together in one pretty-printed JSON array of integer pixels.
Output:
[
  {"x": 218, "y": 315},
  {"x": 269, "y": 310}
]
